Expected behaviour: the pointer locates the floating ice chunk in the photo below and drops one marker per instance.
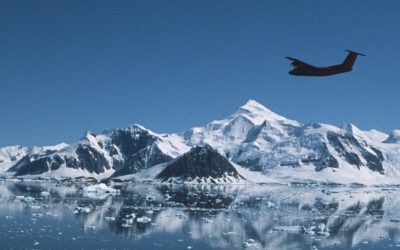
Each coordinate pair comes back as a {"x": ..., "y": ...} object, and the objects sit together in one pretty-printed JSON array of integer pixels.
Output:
[
  {"x": 248, "y": 243},
  {"x": 127, "y": 222},
  {"x": 143, "y": 219},
  {"x": 207, "y": 220},
  {"x": 110, "y": 218},
  {"x": 323, "y": 233},
  {"x": 321, "y": 226},
  {"x": 29, "y": 199},
  {"x": 321, "y": 229},
  {"x": 86, "y": 210},
  {"x": 44, "y": 193},
  {"x": 24, "y": 198},
  {"x": 270, "y": 204},
  {"x": 293, "y": 229},
  {"x": 228, "y": 233},
  {"x": 98, "y": 190},
  {"x": 150, "y": 198},
  {"x": 132, "y": 215}
]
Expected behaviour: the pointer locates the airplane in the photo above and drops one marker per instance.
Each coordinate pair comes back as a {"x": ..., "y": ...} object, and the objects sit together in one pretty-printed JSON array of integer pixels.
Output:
[{"x": 305, "y": 69}]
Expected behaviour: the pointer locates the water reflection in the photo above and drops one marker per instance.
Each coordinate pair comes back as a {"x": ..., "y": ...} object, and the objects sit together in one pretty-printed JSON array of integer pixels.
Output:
[{"x": 221, "y": 217}]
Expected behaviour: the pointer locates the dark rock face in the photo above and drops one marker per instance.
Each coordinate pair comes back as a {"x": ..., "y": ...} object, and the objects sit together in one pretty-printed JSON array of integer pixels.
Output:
[
  {"x": 91, "y": 160},
  {"x": 36, "y": 164},
  {"x": 145, "y": 158},
  {"x": 200, "y": 162},
  {"x": 35, "y": 167},
  {"x": 57, "y": 162},
  {"x": 139, "y": 149},
  {"x": 21, "y": 163},
  {"x": 131, "y": 141},
  {"x": 347, "y": 144}
]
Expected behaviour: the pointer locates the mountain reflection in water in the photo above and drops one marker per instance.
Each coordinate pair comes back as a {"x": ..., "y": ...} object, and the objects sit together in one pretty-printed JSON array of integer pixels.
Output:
[{"x": 42, "y": 214}]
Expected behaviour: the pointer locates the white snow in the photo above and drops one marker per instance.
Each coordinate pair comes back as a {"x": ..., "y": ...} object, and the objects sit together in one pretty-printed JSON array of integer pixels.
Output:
[
  {"x": 11, "y": 155},
  {"x": 38, "y": 150},
  {"x": 376, "y": 135},
  {"x": 394, "y": 137},
  {"x": 148, "y": 174}
]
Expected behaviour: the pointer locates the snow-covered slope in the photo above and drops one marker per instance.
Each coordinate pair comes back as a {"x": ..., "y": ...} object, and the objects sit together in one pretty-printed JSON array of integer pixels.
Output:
[
  {"x": 9, "y": 156},
  {"x": 394, "y": 137},
  {"x": 253, "y": 137},
  {"x": 375, "y": 135}
]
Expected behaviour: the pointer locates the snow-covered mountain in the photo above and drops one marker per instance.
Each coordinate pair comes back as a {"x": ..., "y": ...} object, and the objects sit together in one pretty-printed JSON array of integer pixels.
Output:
[
  {"x": 252, "y": 138},
  {"x": 10, "y": 155},
  {"x": 258, "y": 139},
  {"x": 112, "y": 153}
]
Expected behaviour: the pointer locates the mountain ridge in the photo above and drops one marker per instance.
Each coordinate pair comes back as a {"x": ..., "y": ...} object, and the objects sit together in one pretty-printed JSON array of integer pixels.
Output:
[{"x": 252, "y": 137}]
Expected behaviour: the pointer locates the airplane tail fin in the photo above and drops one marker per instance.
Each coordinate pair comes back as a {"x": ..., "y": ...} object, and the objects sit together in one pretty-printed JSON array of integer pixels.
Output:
[{"x": 351, "y": 58}]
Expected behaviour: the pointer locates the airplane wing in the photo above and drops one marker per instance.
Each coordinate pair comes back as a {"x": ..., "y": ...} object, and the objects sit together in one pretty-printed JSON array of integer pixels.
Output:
[{"x": 298, "y": 63}]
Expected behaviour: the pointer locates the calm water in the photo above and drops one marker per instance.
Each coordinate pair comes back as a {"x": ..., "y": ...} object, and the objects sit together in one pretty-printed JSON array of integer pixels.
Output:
[{"x": 43, "y": 215}]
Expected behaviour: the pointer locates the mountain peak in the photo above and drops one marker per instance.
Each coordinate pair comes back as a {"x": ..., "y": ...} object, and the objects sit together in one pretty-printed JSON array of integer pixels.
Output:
[
  {"x": 258, "y": 113},
  {"x": 351, "y": 128},
  {"x": 89, "y": 135},
  {"x": 202, "y": 164},
  {"x": 135, "y": 127},
  {"x": 252, "y": 105}
]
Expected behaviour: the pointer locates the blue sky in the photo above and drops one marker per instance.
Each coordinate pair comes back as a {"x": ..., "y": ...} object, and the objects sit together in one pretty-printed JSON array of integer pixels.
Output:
[{"x": 71, "y": 66}]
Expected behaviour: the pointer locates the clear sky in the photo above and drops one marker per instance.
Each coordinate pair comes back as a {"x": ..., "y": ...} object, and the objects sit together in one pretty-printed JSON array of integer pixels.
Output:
[{"x": 71, "y": 66}]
